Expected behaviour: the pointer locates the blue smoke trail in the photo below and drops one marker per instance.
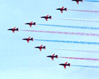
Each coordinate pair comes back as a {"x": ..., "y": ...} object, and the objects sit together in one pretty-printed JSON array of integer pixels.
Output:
[
  {"x": 86, "y": 66},
  {"x": 92, "y": 0},
  {"x": 67, "y": 26},
  {"x": 63, "y": 41}
]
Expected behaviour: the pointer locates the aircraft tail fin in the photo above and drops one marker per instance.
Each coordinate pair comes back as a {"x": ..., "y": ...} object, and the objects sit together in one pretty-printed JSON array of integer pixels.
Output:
[
  {"x": 44, "y": 47},
  {"x": 65, "y": 9},
  {"x": 50, "y": 17},
  {"x": 17, "y": 29},
  {"x": 56, "y": 56},
  {"x": 34, "y": 23},
  {"x": 32, "y": 39},
  {"x": 69, "y": 65}
]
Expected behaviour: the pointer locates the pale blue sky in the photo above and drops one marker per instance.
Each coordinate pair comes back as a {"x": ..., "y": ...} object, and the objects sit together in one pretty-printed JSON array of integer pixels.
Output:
[{"x": 20, "y": 60}]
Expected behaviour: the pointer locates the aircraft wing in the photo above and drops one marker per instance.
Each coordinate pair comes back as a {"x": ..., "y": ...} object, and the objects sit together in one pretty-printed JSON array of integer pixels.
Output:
[
  {"x": 40, "y": 49},
  {"x": 53, "y": 55},
  {"x": 13, "y": 31},
  {"x": 65, "y": 67},
  {"x": 46, "y": 19},
  {"x": 27, "y": 41},
  {"x": 61, "y": 11},
  {"x": 30, "y": 25},
  {"x": 52, "y": 58}
]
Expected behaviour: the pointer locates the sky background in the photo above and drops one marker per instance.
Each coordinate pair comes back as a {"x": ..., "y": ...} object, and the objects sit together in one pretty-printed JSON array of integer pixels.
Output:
[{"x": 20, "y": 60}]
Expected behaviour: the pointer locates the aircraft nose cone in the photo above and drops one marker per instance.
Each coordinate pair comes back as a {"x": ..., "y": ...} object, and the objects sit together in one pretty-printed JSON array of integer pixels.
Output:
[
  {"x": 9, "y": 29},
  {"x": 57, "y": 9},
  {"x": 23, "y": 39}
]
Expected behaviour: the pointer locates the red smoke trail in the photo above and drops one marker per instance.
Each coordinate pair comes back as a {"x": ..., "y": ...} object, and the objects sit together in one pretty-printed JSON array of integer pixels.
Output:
[
  {"x": 70, "y": 33},
  {"x": 92, "y": 11},
  {"x": 77, "y": 58},
  {"x": 90, "y": 51}
]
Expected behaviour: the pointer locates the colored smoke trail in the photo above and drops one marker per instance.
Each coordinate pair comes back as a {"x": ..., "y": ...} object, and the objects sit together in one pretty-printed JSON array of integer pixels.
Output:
[
  {"x": 70, "y": 33},
  {"x": 67, "y": 26},
  {"x": 63, "y": 41},
  {"x": 90, "y": 51},
  {"x": 84, "y": 11},
  {"x": 77, "y": 58},
  {"x": 73, "y": 19},
  {"x": 85, "y": 66},
  {"x": 92, "y": 0}
]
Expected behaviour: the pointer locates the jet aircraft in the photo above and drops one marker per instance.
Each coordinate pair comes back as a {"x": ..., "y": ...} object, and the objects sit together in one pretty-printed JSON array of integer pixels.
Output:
[
  {"x": 31, "y": 23},
  {"x": 66, "y": 64},
  {"x": 53, "y": 56},
  {"x": 62, "y": 9},
  {"x": 28, "y": 39},
  {"x": 14, "y": 29},
  {"x": 47, "y": 17},
  {"x": 41, "y": 47}
]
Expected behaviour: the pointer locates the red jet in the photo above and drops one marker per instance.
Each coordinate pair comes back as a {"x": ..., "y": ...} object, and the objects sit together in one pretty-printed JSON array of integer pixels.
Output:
[
  {"x": 47, "y": 17},
  {"x": 31, "y": 23},
  {"x": 28, "y": 39},
  {"x": 78, "y": 1},
  {"x": 62, "y": 9},
  {"x": 53, "y": 56},
  {"x": 41, "y": 47},
  {"x": 14, "y": 29},
  {"x": 66, "y": 64}
]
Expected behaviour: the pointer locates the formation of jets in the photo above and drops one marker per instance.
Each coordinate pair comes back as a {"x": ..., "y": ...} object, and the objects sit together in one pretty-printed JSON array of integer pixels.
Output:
[{"x": 41, "y": 46}]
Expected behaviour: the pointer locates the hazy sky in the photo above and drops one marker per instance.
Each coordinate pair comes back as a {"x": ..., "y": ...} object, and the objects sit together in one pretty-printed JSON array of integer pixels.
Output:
[{"x": 20, "y": 60}]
